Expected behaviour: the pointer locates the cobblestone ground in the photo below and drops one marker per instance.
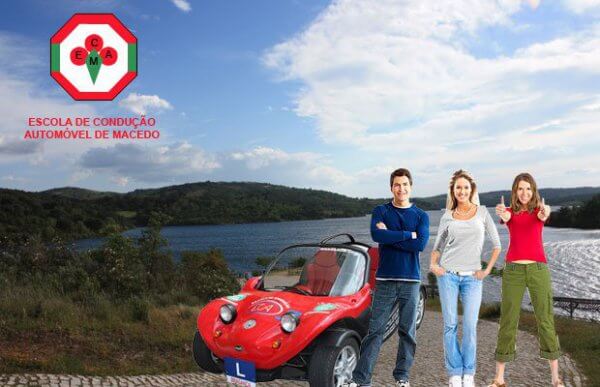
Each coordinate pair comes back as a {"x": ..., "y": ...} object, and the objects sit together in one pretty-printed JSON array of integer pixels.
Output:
[{"x": 529, "y": 370}]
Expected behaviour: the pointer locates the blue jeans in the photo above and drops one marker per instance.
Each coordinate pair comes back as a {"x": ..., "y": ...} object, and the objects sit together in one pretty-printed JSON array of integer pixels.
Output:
[
  {"x": 460, "y": 360},
  {"x": 385, "y": 296}
]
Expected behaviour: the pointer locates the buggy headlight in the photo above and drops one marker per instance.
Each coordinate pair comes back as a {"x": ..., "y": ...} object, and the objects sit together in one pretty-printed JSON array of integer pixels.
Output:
[
  {"x": 289, "y": 322},
  {"x": 227, "y": 313}
]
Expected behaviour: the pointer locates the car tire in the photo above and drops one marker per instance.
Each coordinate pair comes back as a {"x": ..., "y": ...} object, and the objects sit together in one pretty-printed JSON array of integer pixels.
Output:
[
  {"x": 204, "y": 357},
  {"x": 392, "y": 324},
  {"x": 325, "y": 359}
]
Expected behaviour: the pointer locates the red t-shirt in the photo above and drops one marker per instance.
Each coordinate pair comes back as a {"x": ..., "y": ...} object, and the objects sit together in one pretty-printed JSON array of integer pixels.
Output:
[{"x": 525, "y": 230}]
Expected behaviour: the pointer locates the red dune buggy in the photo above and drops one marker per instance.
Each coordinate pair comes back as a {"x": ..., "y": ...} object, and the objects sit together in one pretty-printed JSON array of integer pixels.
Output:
[{"x": 303, "y": 319}]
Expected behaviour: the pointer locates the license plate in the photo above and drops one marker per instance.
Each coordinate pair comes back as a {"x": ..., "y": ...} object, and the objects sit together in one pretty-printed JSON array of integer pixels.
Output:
[{"x": 240, "y": 372}]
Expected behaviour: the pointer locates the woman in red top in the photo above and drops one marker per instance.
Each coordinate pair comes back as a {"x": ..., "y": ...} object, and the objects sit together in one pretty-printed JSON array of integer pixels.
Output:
[{"x": 525, "y": 268}]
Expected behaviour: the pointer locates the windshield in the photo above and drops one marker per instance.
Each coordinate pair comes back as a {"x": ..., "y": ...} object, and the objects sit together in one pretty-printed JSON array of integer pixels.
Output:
[{"x": 317, "y": 271}]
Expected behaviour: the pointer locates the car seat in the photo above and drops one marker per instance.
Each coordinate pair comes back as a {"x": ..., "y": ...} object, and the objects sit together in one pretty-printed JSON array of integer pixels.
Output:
[{"x": 322, "y": 272}]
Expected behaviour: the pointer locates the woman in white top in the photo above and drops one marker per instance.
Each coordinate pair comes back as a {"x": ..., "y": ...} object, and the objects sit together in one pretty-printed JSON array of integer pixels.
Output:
[{"x": 456, "y": 261}]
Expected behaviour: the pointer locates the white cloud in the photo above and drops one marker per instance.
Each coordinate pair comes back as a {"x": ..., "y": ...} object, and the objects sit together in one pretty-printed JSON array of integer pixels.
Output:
[
  {"x": 22, "y": 97},
  {"x": 125, "y": 164},
  {"x": 378, "y": 63},
  {"x": 304, "y": 169},
  {"x": 120, "y": 181},
  {"x": 183, "y": 5},
  {"x": 398, "y": 78},
  {"x": 582, "y": 6},
  {"x": 142, "y": 104},
  {"x": 13, "y": 179},
  {"x": 149, "y": 164}
]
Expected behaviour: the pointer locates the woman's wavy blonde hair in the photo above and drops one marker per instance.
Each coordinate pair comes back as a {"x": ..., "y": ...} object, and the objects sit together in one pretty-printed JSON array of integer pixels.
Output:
[{"x": 451, "y": 202}]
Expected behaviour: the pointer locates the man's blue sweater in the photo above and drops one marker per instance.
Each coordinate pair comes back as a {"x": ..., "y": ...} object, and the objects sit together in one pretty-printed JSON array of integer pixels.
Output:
[{"x": 398, "y": 251}]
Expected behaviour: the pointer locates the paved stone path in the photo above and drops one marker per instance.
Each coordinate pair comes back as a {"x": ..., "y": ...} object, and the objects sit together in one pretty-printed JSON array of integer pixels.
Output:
[{"x": 528, "y": 371}]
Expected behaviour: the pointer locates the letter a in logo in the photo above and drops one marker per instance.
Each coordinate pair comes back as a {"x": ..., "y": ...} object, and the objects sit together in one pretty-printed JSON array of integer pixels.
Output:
[{"x": 93, "y": 56}]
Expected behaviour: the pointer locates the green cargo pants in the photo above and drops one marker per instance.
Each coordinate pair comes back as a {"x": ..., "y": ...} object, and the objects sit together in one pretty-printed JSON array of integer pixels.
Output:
[{"x": 535, "y": 277}]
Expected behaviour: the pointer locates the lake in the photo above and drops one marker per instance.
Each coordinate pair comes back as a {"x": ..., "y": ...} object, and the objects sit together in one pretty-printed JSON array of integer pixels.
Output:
[{"x": 573, "y": 255}]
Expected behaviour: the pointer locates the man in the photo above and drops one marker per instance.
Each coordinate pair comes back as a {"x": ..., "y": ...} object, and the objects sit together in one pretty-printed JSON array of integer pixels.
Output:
[{"x": 402, "y": 231}]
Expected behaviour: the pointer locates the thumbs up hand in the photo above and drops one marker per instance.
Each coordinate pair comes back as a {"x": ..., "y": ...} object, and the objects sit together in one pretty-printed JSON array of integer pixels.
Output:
[
  {"x": 501, "y": 208},
  {"x": 544, "y": 210}
]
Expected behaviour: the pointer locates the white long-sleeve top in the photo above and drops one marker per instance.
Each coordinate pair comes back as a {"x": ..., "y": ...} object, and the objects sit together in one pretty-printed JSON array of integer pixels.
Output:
[{"x": 460, "y": 242}]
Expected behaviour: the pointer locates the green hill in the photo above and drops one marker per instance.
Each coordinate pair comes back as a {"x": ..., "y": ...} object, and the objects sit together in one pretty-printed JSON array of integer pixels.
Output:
[
  {"x": 553, "y": 196},
  {"x": 79, "y": 193},
  {"x": 72, "y": 213}
]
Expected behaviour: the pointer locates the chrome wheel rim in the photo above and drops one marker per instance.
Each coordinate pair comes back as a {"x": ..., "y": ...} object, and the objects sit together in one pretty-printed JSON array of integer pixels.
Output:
[
  {"x": 344, "y": 365},
  {"x": 420, "y": 308}
]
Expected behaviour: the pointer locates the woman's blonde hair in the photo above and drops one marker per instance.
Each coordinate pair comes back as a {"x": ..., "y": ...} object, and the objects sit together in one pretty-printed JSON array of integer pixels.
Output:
[
  {"x": 451, "y": 202},
  {"x": 515, "y": 205}
]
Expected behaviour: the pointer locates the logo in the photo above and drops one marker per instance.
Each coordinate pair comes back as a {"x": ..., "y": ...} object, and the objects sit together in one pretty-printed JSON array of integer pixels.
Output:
[
  {"x": 249, "y": 324},
  {"x": 268, "y": 306},
  {"x": 93, "y": 56}
]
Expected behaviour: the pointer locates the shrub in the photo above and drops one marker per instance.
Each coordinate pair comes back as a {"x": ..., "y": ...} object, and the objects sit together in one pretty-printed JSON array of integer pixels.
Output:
[
  {"x": 206, "y": 275},
  {"x": 139, "y": 310},
  {"x": 263, "y": 261},
  {"x": 494, "y": 272},
  {"x": 490, "y": 311},
  {"x": 119, "y": 269},
  {"x": 298, "y": 262},
  {"x": 431, "y": 279}
]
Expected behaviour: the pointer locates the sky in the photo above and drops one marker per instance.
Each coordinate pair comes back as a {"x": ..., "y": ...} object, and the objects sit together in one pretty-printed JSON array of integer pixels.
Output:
[{"x": 318, "y": 94}]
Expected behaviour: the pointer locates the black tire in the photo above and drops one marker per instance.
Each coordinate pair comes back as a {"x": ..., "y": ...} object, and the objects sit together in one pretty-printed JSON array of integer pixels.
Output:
[
  {"x": 324, "y": 360},
  {"x": 392, "y": 324},
  {"x": 204, "y": 357}
]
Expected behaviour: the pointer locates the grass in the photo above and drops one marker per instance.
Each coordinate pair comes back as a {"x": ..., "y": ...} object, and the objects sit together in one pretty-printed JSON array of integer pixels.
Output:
[
  {"x": 579, "y": 338},
  {"x": 41, "y": 332},
  {"x": 44, "y": 332}
]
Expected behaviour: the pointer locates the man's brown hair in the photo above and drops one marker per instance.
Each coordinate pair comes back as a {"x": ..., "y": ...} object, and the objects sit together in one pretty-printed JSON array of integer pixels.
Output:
[{"x": 398, "y": 173}]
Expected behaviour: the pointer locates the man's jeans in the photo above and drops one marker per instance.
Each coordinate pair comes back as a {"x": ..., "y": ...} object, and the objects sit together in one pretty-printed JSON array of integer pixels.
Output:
[
  {"x": 385, "y": 296},
  {"x": 460, "y": 360}
]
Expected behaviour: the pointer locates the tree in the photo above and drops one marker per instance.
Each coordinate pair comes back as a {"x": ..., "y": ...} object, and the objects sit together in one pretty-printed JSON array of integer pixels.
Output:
[{"x": 158, "y": 263}]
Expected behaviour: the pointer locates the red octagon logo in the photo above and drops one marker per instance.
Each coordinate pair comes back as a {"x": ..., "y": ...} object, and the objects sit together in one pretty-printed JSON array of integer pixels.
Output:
[{"x": 93, "y": 56}]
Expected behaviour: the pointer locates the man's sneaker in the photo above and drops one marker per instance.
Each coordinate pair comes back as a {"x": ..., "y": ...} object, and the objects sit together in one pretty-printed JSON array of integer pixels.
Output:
[
  {"x": 468, "y": 381},
  {"x": 352, "y": 383},
  {"x": 455, "y": 381},
  {"x": 402, "y": 383}
]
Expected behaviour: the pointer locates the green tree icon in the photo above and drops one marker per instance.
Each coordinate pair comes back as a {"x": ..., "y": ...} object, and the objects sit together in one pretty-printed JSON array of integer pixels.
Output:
[{"x": 93, "y": 63}]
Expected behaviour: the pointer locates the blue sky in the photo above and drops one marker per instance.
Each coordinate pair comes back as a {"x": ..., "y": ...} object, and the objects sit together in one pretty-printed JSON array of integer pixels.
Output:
[{"x": 328, "y": 95}]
